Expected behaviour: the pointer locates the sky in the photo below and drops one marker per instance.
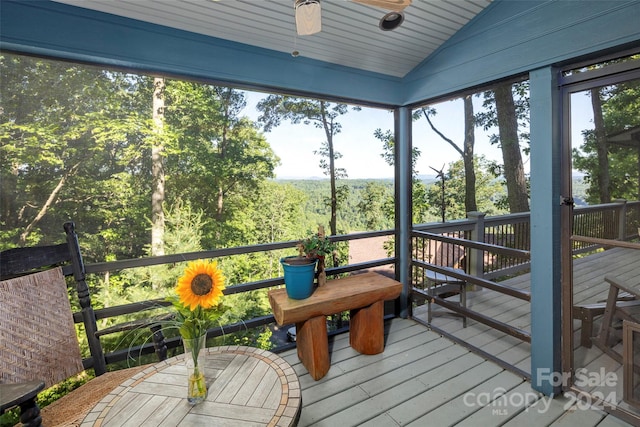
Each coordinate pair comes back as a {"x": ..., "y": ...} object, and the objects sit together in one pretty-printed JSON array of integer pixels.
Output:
[{"x": 361, "y": 151}]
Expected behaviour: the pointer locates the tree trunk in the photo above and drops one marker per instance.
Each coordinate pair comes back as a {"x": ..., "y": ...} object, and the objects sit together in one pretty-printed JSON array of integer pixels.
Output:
[
  {"x": 470, "y": 203},
  {"x": 332, "y": 171},
  {"x": 157, "y": 171},
  {"x": 220, "y": 203},
  {"x": 225, "y": 97},
  {"x": 602, "y": 148},
  {"x": 513, "y": 169},
  {"x": 11, "y": 215},
  {"x": 50, "y": 201},
  {"x": 466, "y": 152}
]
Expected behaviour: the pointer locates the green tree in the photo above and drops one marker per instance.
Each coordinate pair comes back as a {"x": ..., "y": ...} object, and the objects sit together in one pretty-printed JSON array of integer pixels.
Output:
[
  {"x": 183, "y": 233},
  {"x": 220, "y": 160},
  {"x": 602, "y": 147},
  {"x": 158, "y": 145},
  {"x": 507, "y": 108},
  {"x": 374, "y": 206},
  {"x": 488, "y": 190},
  {"x": 466, "y": 151},
  {"x": 71, "y": 141},
  {"x": 420, "y": 205},
  {"x": 608, "y": 155},
  {"x": 157, "y": 169},
  {"x": 322, "y": 115}
]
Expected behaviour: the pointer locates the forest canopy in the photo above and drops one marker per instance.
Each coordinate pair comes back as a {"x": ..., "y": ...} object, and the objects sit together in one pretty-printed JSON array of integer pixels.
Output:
[{"x": 147, "y": 165}]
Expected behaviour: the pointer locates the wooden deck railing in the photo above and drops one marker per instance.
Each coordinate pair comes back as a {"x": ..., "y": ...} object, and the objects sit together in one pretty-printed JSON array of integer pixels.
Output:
[
  {"x": 619, "y": 221},
  {"x": 485, "y": 248},
  {"x": 612, "y": 221},
  {"x": 475, "y": 251}
]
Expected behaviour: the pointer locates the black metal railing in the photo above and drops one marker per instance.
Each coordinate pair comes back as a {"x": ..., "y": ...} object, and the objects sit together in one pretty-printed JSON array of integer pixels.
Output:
[
  {"x": 484, "y": 248},
  {"x": 145, "y": 311}
]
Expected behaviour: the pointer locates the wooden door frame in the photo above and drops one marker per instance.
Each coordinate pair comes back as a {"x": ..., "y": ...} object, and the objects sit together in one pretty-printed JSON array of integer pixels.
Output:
[{"x": 568, "y": 85}]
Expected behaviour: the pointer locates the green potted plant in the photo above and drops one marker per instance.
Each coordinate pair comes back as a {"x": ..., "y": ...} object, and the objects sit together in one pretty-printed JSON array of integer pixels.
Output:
[
  {"x": 316, "y": 246},
  {"x": 300, "y": 271}
]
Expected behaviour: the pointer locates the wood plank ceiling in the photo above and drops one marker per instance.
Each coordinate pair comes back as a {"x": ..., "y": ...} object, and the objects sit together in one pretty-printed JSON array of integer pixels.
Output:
[{"x": 350, "y": 34}]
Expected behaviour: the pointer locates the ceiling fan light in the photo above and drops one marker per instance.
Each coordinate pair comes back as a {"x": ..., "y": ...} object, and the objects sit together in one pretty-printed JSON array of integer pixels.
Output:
[
  {"x": 396, "y": 5},
  {"x": 391, "y": 21},
  {"x": 308, "y": 17}
]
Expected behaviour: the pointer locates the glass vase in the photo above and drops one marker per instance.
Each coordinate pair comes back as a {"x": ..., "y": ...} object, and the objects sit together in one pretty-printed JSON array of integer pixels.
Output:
[{"x": 194, "y": 360}]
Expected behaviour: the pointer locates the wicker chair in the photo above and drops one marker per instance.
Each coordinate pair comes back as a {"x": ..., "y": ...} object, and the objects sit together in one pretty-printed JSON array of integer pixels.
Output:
[
  {"x": 42, "y": 349},
  {"x": 39, "y": 342}
]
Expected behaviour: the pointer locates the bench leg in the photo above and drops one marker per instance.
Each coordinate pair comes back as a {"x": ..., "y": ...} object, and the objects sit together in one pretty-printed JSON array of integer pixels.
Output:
[
  {"x": 313, "y": 346},
  {"x": 366, "y": 330}
]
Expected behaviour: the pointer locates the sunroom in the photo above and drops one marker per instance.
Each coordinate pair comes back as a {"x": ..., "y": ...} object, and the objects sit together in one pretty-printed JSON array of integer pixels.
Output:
[{"x": 559, "y": 51}]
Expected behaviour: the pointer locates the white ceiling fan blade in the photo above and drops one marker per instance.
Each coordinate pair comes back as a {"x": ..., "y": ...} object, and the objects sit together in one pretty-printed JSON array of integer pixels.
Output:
[
  {"x": 308, "y": 17},
  {"x": 396, "y": 5}
]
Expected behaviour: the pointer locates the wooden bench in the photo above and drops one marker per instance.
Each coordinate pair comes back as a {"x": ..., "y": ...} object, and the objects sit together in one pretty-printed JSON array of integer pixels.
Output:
[{"x": 362, "y": 294}]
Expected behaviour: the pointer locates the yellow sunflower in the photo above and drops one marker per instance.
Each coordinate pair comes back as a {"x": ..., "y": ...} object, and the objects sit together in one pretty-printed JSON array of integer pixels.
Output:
[{"x": 201, "y": 285}]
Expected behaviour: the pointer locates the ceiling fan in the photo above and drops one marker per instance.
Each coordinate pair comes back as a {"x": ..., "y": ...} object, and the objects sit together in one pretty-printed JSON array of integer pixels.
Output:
[{"x": 309, "y": 19}]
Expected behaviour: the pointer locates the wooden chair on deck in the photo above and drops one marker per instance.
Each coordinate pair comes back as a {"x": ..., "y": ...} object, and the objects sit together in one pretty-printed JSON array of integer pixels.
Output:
[
  {"x": 444, "y": 286},
  {"x": 37, "y": 330},
  {"x": 586, "y": 313},
  {"x": 615, "y": 309}
]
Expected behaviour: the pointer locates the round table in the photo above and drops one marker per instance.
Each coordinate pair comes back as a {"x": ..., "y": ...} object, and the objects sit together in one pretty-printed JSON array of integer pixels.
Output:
[{"x": 245, "y": 385}]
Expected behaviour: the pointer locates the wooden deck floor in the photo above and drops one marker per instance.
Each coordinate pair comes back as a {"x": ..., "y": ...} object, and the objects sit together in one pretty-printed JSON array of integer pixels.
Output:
[
  {"x": 424, "y": 379},
  {"x": 589, "y": 287}
]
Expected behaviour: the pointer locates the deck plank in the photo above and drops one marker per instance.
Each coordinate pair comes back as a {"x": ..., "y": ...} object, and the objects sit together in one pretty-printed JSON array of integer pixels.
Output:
[
  {"x": 421, "y": 379},
  {"x": 469, "y": 402},
  {"x": 589, "y": 286},
  {"x": 502, "y": 408},
  {"x": 582, "y": 418},
  {"x": 446, "y": 390}
]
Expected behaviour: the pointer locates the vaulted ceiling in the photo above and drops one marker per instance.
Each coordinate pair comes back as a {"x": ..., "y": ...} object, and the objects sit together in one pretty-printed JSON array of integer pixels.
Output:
[{"x": 350, "y": 33}]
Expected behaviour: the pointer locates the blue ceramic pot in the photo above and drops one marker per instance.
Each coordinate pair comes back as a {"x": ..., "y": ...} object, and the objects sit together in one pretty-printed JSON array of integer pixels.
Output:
[{"x": 298, "y": 276}]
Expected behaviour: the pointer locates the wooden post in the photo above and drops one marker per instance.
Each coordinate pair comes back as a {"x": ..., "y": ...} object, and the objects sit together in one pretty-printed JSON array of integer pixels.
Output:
[
  {"x": 88, "y": 315},
  {"x": 322, "y": 274},
  {"x": 622, "y": 219}
]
